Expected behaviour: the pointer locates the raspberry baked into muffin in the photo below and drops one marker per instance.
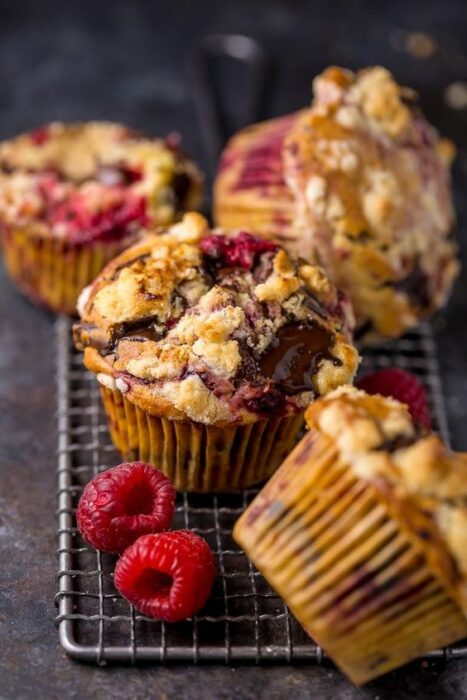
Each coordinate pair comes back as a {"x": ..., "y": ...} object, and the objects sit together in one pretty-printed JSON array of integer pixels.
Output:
[
  {"x": 361, "y": 182},
  {"x": 363, "y": 532},
  {"x": 74, "y": 196},
  {"x": 208, "y": 347}
]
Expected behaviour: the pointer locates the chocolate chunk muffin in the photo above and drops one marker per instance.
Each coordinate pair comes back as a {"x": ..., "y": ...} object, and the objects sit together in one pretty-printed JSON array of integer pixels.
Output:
[
  {"x": 208, "y": 345},
  {"x": 72, "y": 196},
  {"x": 363, "y": 532},
  {"x": 360, "y": 182}
]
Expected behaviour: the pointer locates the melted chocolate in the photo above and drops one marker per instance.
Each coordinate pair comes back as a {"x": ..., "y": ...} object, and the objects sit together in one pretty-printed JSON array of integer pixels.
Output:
[
  {"x": 294, "y": 356},
  {"x": 417, "y": 287},
  {"x": 140, "y": 331},
  {"x": 316, "y": 306},
  {"x": 142, "y": 334}
]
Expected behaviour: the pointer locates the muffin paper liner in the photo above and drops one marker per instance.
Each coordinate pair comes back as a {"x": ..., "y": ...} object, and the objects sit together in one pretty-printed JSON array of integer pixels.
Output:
[
  {"x": 50, "y": 271},
  {"x": 265, "y": 203},
  {"x": 325, "y": 540},
  {"x": 197, "y": 457}
]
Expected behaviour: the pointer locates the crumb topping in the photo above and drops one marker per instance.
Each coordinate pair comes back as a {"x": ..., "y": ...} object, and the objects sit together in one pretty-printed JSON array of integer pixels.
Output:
[
  {"x": 373, "y": 196},
  {"x": 230, "y": 320},
  {"x": 364, "y": 191},
  {"x": 378, "y": 439},
  {"x": 93, "y": 181}
]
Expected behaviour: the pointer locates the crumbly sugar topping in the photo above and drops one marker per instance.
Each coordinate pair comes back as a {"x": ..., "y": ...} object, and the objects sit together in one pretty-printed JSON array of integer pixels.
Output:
[
  {"x": 373, "y": 198},
  {"x": 93, "y": 181},
  {"x": 376, "y": 436},
  {"x": 360, "y": 183},
  {"x": 216, "y": 326}
]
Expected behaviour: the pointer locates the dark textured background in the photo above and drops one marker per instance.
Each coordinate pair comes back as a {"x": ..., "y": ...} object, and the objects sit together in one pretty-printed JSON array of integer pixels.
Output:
[{"x": 131, "y": 61}]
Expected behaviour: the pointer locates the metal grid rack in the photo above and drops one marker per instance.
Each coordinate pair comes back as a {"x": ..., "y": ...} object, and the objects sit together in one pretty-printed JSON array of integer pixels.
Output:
[{"x": 244, "y": 620}]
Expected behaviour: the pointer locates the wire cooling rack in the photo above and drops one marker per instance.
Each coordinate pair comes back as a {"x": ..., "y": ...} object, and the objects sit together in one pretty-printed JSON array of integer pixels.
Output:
[{"x": 244, "y": 619}]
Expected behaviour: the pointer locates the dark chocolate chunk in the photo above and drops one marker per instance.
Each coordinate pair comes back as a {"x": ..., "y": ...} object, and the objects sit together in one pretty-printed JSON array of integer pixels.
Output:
[
  {"x": 138, "y": 330},
  {"x": 295, "y": 354}
]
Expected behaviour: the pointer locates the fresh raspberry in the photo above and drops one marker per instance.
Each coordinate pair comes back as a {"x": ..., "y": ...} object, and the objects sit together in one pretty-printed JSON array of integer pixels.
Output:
[
  {"x": 404, "y": 387},
  {"x": 122, "y": 503},
  {"x": 39, "y": 135},
  {"x": 167, "y": 576},
  {"x": 238, "y": 251}
]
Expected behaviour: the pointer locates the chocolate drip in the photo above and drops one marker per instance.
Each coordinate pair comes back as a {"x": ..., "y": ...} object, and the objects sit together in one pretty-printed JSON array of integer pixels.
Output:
[
  {"x": 316, "y": 306},
  {"x": 295, "y": 354}
]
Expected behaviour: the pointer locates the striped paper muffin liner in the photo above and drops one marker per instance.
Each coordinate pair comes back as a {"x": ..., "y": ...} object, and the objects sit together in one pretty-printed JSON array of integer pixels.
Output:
[
  {"x": 196, "y": 457},
  {"x": 362, "y": 589},
  {"x": 50, "y": 271},
  {"x": 250, "y": 190}
]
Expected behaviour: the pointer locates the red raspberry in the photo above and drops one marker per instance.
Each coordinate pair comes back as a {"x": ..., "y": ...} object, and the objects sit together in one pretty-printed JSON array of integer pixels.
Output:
[
  {"x": 120, "y": 504},
  {"x": 238, "y": 251},
  {"x": 167, "y": 576},
  {"x": 39, "y": 135},
  {"x": 404, "y": 387}
]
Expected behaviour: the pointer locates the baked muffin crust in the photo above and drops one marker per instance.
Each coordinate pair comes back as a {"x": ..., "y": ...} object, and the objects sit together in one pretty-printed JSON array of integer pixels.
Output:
[
  {"x": 215, "y": 327},
  {"x": 360, "y": 183},
  {"x": 424, "y": 482},
  {"x": 93, "y": 181}
]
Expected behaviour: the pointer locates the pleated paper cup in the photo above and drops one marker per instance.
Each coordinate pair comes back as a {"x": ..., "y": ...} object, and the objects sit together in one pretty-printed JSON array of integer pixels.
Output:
[
  {"x": 250, "y": 191},
  {"x": 196, "y": 457},
  {"x": 51, "y": 271},
  {"x": 362, "y": 589}
]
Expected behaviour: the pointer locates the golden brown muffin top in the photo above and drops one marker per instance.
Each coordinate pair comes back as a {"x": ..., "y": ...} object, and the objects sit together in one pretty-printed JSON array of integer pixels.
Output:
[
  {"x": 217, "y": 327},
  {"x": 359, "y": 182},
  {"x": 372, "y": 184},
  {"x": 376, "y": 436},
  {"x": 80, "y": 181}
]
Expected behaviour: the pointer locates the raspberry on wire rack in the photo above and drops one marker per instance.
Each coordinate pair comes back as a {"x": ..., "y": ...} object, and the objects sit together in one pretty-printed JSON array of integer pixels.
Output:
[{"x": 165, "y": 575}]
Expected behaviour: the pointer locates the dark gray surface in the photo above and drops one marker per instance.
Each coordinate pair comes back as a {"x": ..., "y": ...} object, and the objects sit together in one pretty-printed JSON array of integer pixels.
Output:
[{"x": 130, "y": 61}]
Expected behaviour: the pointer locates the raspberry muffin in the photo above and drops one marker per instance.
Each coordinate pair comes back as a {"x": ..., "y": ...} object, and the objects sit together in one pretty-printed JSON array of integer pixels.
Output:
[
  {"x": 73, "y": 196},
  {"x": 208, "y": 346},
  {"x": 361, "y": 182},
  {"x": 363, "y": 532}
]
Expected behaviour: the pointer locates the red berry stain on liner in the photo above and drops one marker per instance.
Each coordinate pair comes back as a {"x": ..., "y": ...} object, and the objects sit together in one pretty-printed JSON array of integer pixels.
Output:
[
  {"x": 167, "y": 576},
  {"x": 263, "y": 160},
  {"x": 121, "y": 504}
]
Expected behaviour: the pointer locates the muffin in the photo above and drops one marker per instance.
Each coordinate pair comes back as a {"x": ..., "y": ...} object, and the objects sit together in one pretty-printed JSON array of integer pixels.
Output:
[
  {"x": 359, "y": 183},
  {"x": 208, "y": 346},
  {"x": 363, "y": 532},
  {"x": 74, "y": 196}
]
